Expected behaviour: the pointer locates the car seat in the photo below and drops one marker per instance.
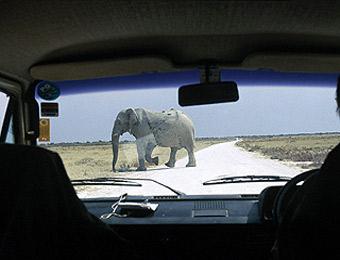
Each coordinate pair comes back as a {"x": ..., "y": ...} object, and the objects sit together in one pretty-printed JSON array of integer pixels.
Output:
[
  {"x": 310, "y": 226},
  {"x": 41, "y": 215}
]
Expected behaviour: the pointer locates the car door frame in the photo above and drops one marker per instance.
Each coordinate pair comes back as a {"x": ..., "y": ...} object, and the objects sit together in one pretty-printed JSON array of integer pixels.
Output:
[{"x": 15, "y": 108}]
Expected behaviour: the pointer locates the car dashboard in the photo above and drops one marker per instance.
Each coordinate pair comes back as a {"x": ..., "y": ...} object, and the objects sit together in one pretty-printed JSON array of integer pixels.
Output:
[
  {"x": 188, "y": 227},
  {"x": 208, "y": 209}
]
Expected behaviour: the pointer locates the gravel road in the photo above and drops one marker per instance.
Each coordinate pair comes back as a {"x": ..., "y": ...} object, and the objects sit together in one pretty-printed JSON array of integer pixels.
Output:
[{"x": 219, "y": 160}]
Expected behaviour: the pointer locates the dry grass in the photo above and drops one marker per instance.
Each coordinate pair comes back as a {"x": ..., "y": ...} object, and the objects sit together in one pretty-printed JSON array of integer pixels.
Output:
[
  {"x": 307, "y": 151},
  {"x": 94, "y": 160},
  {"x": 91, "y": 161}
]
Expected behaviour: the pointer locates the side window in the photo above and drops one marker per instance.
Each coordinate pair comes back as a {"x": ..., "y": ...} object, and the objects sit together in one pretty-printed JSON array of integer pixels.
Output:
[
  {"x": 10, "y": 134},
  {"x": 6, "y": 119},
  {"x": 4, "y": 99}
]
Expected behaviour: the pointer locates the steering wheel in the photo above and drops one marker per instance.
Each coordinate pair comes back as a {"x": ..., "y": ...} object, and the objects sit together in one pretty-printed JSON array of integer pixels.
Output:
[{"x": 285, "y": 195}]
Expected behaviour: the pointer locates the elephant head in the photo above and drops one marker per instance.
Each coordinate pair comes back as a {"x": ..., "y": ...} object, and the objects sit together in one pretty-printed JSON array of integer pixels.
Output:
[{"x": 126, "y": 121}]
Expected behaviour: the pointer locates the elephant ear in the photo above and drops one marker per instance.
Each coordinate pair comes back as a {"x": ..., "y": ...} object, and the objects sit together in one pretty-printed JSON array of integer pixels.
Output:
[{"x": 132, "y": 117}]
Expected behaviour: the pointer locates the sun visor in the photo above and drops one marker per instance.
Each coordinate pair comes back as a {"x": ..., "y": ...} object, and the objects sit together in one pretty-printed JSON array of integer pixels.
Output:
[
  {"x": 100, "y": 69},
  {"x": 293, "y": 62}
]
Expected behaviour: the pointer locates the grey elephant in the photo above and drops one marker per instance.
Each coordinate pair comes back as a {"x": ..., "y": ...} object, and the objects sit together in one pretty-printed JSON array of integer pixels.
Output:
[{"x": 170, "y": 128}]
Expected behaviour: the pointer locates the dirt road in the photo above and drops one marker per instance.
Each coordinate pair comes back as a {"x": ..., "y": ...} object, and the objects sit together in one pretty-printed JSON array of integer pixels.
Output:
[{"x": 224, "y": 159}]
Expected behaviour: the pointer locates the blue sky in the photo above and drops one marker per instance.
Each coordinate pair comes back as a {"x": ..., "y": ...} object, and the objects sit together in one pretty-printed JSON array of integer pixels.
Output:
[{"x": 270, "y": 103}]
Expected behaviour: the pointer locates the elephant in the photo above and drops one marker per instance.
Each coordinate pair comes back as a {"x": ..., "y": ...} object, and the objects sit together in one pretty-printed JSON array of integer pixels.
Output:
[{"x": 171, "y": 128}]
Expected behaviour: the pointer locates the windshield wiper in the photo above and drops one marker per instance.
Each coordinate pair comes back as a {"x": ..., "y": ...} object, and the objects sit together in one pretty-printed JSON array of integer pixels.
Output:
[
  {"x": 121, "y": 182},
  {"x": 179, "y": 193},
  {"x": 105, "y": 181},
  {"x": 247, "y": 178}
]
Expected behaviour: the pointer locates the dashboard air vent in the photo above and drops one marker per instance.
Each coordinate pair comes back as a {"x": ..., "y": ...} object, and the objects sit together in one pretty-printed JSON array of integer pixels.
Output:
[{"x": 213, "y": 204}]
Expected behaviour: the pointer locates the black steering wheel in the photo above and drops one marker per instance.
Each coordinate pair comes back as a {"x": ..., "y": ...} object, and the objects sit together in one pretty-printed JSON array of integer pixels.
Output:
[{"x": 287, "y": 192}]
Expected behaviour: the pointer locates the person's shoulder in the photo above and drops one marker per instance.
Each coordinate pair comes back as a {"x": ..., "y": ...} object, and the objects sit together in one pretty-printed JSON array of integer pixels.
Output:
[
  {"x": 333, "y": 159},
  {"x": 20, "y": 152},
  {"x": 335, "y": 151}
]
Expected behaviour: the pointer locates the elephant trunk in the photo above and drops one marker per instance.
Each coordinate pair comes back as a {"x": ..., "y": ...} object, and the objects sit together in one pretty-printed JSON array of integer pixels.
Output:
[{"x": 115, "y": 144}]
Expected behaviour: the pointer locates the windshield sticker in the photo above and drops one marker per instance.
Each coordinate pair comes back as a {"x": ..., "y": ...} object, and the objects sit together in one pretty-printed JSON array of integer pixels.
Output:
[
  {"x": 50, "y": 109},
  {"x": 48, "y": 91},
  {"x": 44, "y": 130}
]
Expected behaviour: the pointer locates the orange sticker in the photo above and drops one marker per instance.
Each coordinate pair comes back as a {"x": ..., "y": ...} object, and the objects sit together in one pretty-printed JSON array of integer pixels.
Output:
[{"x": 44, "y": 127}]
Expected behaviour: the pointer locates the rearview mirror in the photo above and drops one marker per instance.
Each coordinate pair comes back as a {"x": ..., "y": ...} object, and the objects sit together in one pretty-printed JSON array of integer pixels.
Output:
[{"x": 208, "y": 93}]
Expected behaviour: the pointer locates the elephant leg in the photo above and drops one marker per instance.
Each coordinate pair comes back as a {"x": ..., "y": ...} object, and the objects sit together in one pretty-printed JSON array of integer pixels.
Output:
[
  {"x": 192, "y": 160},
  {"x": 172, "y": 159},
  {"x": 148, "y": 154},
  {"x": 141, "y": 149},
  {"x": 141, "y": 166}
]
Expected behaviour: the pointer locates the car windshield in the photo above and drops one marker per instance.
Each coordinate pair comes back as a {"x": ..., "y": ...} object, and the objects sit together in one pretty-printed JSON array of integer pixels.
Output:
[{"x": 128, "y": 134}]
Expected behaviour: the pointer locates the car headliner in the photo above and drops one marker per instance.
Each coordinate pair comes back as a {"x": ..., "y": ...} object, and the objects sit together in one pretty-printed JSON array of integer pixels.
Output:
[{"x": 181, "y": 33}]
